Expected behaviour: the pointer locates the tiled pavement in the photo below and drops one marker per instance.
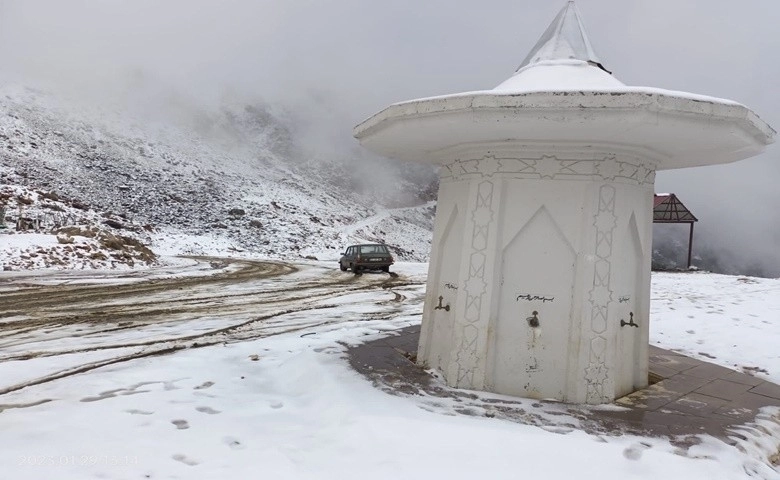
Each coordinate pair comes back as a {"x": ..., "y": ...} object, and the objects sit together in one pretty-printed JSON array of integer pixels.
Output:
[
  {"x": 695, "y": 397},
  {"x": 689, "y": 398}
]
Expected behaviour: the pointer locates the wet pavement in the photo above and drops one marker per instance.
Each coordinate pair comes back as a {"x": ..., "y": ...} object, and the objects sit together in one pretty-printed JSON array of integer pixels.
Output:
[{"x": 688, "y": 396}]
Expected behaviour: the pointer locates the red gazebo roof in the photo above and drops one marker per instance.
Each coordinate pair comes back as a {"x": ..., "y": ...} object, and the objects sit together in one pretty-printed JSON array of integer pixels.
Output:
[{"x": 667, "y": 208}]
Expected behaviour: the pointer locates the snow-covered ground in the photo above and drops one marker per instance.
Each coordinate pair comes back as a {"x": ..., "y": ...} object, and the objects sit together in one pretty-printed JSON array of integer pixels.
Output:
[
  {"x": 287, "y": 405},
  {"x": 729, "y": 320},
  {"x": 255, "y": 383}
]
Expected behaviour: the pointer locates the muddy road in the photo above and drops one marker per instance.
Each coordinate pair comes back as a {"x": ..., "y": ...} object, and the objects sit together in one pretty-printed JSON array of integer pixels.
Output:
[{"x": 57, "y": 325}]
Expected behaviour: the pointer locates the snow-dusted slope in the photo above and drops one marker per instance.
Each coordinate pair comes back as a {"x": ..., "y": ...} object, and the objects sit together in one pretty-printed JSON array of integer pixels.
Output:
[
  {"x": 229, "y": 180},
  {"x": 58, "y": 235}
]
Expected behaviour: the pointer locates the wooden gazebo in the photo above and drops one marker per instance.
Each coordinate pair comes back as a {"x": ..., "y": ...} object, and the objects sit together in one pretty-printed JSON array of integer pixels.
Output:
[{"x": 667, "y": 208}]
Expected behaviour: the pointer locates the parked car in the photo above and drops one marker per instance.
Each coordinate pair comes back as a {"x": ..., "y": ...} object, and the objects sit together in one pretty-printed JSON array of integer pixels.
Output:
[{"x": 371, "y": 256}]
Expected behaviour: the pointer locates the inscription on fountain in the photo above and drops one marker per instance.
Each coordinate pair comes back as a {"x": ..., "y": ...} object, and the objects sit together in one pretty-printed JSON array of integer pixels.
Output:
[{"x": 531, "y": 298}]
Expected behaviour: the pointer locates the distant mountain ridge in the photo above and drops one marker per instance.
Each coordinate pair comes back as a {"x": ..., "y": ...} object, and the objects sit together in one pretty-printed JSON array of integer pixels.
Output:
[{"x": 237, "y": 174}]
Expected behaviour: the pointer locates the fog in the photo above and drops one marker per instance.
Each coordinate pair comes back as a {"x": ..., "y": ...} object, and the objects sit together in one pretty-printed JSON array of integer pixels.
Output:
[{"x": 334, "y": 63}]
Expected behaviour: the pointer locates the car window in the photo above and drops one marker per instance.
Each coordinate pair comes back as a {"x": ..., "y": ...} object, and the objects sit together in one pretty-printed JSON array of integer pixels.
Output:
[{"x": 373, "y": 249}]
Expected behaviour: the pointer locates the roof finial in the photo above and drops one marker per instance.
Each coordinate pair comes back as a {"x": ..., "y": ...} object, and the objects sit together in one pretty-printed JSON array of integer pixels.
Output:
[{"x": 564, "y": 39}]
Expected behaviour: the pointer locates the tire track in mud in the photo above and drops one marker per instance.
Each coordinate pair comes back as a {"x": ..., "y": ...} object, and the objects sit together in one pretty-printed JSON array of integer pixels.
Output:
[
  {"x": 277, "y": 294},
  {"x": 314, "y": 299},
  {"x": 128, "y": 316},
  {"x": 49, "y": 305},
  {"x": 55, "y": 295},
  {"x": 156, "y": 347},
  {"x": 44, "y": 307}
]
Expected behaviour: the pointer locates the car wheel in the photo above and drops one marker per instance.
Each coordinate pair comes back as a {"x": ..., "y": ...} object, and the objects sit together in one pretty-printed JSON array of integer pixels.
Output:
[
  {"x": 356, "y": 270},
  {"x": 386, "y": 269},
  {"x": 342, "y": 267}
]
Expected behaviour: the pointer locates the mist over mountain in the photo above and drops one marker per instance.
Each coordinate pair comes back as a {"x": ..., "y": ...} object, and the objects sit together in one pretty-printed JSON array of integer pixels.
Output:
[
  {"x": 251, "y": 173},
  {"x": 248, "y": 102},
  {"x": 236, "y": 172}
]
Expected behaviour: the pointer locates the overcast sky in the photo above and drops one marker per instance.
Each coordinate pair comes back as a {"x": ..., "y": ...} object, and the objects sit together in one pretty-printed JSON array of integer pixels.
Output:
[{"x": 342, "y": 60}]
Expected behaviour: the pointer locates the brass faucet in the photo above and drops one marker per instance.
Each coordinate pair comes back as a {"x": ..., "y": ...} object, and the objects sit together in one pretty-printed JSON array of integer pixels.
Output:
[
  {"x": 533, "y": 321},
  {"x": 630, "y": 323},
  {"x": 440, "y": 306}
]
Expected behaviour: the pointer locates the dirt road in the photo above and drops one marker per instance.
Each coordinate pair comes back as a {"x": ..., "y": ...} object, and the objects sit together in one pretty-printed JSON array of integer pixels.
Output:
[{"x": 90, "y": 321}]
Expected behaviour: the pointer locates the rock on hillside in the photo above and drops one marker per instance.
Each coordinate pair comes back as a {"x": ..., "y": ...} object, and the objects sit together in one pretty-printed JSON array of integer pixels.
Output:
[
  {"x": 44, "y": 230},
  {"x": 234, "y": 178}
]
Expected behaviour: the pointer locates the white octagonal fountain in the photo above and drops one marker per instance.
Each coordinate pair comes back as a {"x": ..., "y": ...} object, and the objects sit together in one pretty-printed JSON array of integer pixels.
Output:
[{"x": 539, "y": 278}]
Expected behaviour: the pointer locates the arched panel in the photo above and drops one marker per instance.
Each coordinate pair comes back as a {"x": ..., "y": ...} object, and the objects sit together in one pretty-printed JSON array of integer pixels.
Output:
[
  {"x": 630, "y": 308},
  {"x": 437, "y": 328},
  {"x": 531, "y": 347}
]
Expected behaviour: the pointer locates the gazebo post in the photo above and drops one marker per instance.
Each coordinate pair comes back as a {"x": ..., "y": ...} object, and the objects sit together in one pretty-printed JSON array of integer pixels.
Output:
[
  {"x": 667, "y": 208},
  {"x": 690, "y": 245}
]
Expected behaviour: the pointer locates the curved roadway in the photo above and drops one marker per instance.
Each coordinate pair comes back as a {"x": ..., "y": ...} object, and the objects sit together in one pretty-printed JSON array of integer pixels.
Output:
[{"x": 93, "y": 321}]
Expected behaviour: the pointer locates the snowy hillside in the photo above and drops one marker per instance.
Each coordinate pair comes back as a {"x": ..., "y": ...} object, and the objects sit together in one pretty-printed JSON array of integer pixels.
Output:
[
  {"x": 234, "y": 180},
  {"x": 240, "y": 180}
]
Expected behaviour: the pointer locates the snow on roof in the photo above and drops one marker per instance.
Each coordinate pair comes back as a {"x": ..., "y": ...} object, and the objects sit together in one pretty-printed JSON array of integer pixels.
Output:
[
  {"x": 564, "y": 39},
  {"x": 563, "y": 73},
  {"x": 562, "y": 59},
  {"x": 560, "y": 76}
]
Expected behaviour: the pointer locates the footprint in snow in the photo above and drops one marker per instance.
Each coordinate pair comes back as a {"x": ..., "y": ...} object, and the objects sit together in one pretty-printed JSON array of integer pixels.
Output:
[
  {"x": 204, "y": 385},
  {"x": 327, "y": 350},
  {"x": 634, "y": 452},
  {"x": 171, "y": 385},
  {"x": 134, "y": 411},
  {"x": 181, "y": 424},
  {"x": 276, "y": 405},
  {"x": 208, "y": 410},
  {"x": 184, "y": 459},
  {"x": 233, "y": 443}
]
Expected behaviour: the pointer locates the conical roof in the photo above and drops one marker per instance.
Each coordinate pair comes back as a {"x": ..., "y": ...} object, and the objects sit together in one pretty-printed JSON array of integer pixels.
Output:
[
  {"x": 562, "y": 97},
  {"x": 564, "y": 39},
  {"x": 562, "y": 60}
]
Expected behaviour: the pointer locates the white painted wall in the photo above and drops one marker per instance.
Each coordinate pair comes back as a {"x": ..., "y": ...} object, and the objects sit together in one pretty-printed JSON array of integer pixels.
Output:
[
  {"x": 545, "y": 206},
  {"x": 555, "y": 233}
]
